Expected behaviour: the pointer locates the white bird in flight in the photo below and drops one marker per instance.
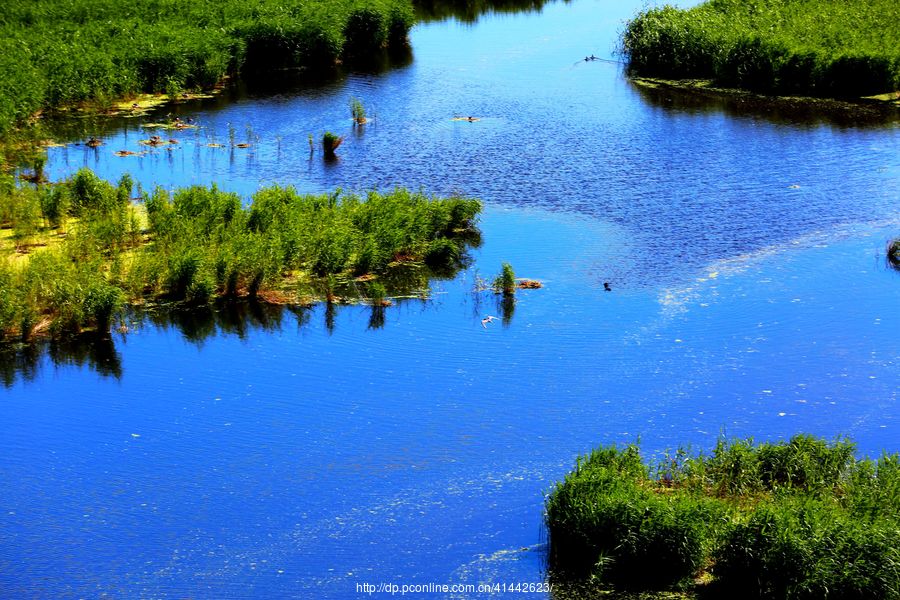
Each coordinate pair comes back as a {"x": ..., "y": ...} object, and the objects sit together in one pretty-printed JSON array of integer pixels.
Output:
[{"x": 488, "y": 319}]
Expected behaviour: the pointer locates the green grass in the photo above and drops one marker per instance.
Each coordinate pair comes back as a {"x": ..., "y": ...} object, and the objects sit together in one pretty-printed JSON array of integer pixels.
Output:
[
  {"x": 505, "y": 282},
  {"x": 59, "y": 52},
  {"x": 200, "y": 243},
  {"x": 796, "y": 519},
  {"x": 827, "y": 48},
  {"x": 357, "y": 111}
]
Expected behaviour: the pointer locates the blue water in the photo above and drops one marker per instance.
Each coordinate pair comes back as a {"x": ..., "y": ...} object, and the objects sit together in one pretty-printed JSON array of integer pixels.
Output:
[{"x": 300, "y": 454}]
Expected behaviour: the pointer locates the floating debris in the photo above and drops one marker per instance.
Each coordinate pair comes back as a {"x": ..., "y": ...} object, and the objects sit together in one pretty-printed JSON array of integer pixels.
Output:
[
  {"x": 242, "y": 145},
  {"x": 173, "y": 125},
  {"x": 94, "y": 142},
  {"x": 214, "y": 145},
  {"x": 127, "y": 153},
  {"x": 529, "y": 284},
  {"x": 469, "y": 119}
]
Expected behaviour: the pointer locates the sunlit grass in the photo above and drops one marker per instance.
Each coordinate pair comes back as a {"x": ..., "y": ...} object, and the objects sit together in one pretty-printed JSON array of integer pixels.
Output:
[
  {"x": 55, "y": 52},
  {"x": 76, "y": 251}
]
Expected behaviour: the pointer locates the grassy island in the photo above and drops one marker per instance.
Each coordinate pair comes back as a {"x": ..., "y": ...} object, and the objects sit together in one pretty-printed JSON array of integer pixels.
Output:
[
  {"x": 56, "y": 53},
  {"x": 825, "y": 48},
  {"x": 796, "y": 519},
  {"x": 74, "y": 252}
]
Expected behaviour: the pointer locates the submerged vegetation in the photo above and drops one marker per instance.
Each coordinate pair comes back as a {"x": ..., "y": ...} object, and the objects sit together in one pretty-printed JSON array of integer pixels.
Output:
[
  {"x": 75, "y": 252},
  {"x": 796, "y": 519},
  {"x": 832, "y": 48},
  {"x": 57, "y": 53}
]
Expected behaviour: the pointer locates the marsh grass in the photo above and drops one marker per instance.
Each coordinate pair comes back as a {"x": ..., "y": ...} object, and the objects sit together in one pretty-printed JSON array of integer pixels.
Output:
[
  {"x": 200, "y": 243},
  {"x": 797, "y": 519},
  {"x": 60, "y": 53},
  {"x": 832, "y": 48}
]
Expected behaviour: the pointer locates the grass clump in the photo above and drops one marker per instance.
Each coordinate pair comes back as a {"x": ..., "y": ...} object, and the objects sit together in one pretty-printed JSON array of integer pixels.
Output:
[
  {"x": 330, "y": 143},
  {"x": 358, "y": 111},
  {"x": 505, "y": 282},
  {"x": 797, "y": 519},
  {"x": 200, "y": 243},
  {"x": 831, "y": 48}
]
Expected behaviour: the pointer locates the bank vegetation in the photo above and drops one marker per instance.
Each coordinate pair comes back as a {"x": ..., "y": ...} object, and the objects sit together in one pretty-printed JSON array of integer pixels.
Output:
[
  {"x": 825, "y": 48},
  {"x": 73, "y": 253},
  {"x": 802, "y": 518}
]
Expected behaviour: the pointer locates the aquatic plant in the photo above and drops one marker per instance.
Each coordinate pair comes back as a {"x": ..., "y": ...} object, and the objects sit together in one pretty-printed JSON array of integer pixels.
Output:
[
  {"x": 330, "y": 143},
  {"x": 835, "y": 48},
  {"x": 797, "y": 519},
  {"x": 358, "y": 111},
  {"x": 505, "y": 282}
]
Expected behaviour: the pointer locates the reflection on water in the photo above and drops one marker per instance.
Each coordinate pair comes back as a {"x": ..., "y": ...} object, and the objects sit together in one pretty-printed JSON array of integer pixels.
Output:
[
  {"x": 100, "y": 352},
  {"x": 789, "y": 111},
  {"x": 25, "y": 361},
  {"x": 469, "y": 11}
]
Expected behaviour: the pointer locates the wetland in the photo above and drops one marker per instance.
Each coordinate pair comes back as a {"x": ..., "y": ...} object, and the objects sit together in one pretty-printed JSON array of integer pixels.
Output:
[{"x": 243, "y": 448}]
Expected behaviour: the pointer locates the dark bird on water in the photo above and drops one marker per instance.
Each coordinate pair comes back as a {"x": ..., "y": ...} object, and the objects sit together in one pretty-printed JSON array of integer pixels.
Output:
[{"x": 606, "y": 286}]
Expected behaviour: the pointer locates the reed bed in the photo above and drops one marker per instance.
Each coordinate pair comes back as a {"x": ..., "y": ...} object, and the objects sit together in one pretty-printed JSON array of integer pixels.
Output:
[
  {"x": 55, "y": 53},
  {"x": 797, "y": 519},
  {"x": 826, "y": 48},
  {"x": 75, "y": 252}
]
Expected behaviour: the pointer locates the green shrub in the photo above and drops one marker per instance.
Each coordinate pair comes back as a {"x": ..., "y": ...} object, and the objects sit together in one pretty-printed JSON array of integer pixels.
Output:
[
  {"x": 55, "y": 203},
  {"x": 796, "y": 519}
]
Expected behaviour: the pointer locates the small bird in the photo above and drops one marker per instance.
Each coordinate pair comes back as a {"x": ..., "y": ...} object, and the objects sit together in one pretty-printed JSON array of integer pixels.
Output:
[
  {"x": 488, "y": 319},
  {"x": 606, "y": 286}
]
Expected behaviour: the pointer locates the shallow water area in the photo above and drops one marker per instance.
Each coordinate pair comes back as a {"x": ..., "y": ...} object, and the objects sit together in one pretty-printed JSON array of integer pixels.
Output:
[{"x": 266, "y": 452}]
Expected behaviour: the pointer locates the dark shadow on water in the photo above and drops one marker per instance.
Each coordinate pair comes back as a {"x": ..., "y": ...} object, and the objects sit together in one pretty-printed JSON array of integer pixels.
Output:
[
  {"x": 226, "y": 317},
  {"x": 95, "y": 350},
  {"x": 506, "y": 306},
  {"x": 787, "y": 111},
  {"x": 468, "y": 11},
  {"x": 376, "y": 317},
  {"x": 330, "y": 314}
]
